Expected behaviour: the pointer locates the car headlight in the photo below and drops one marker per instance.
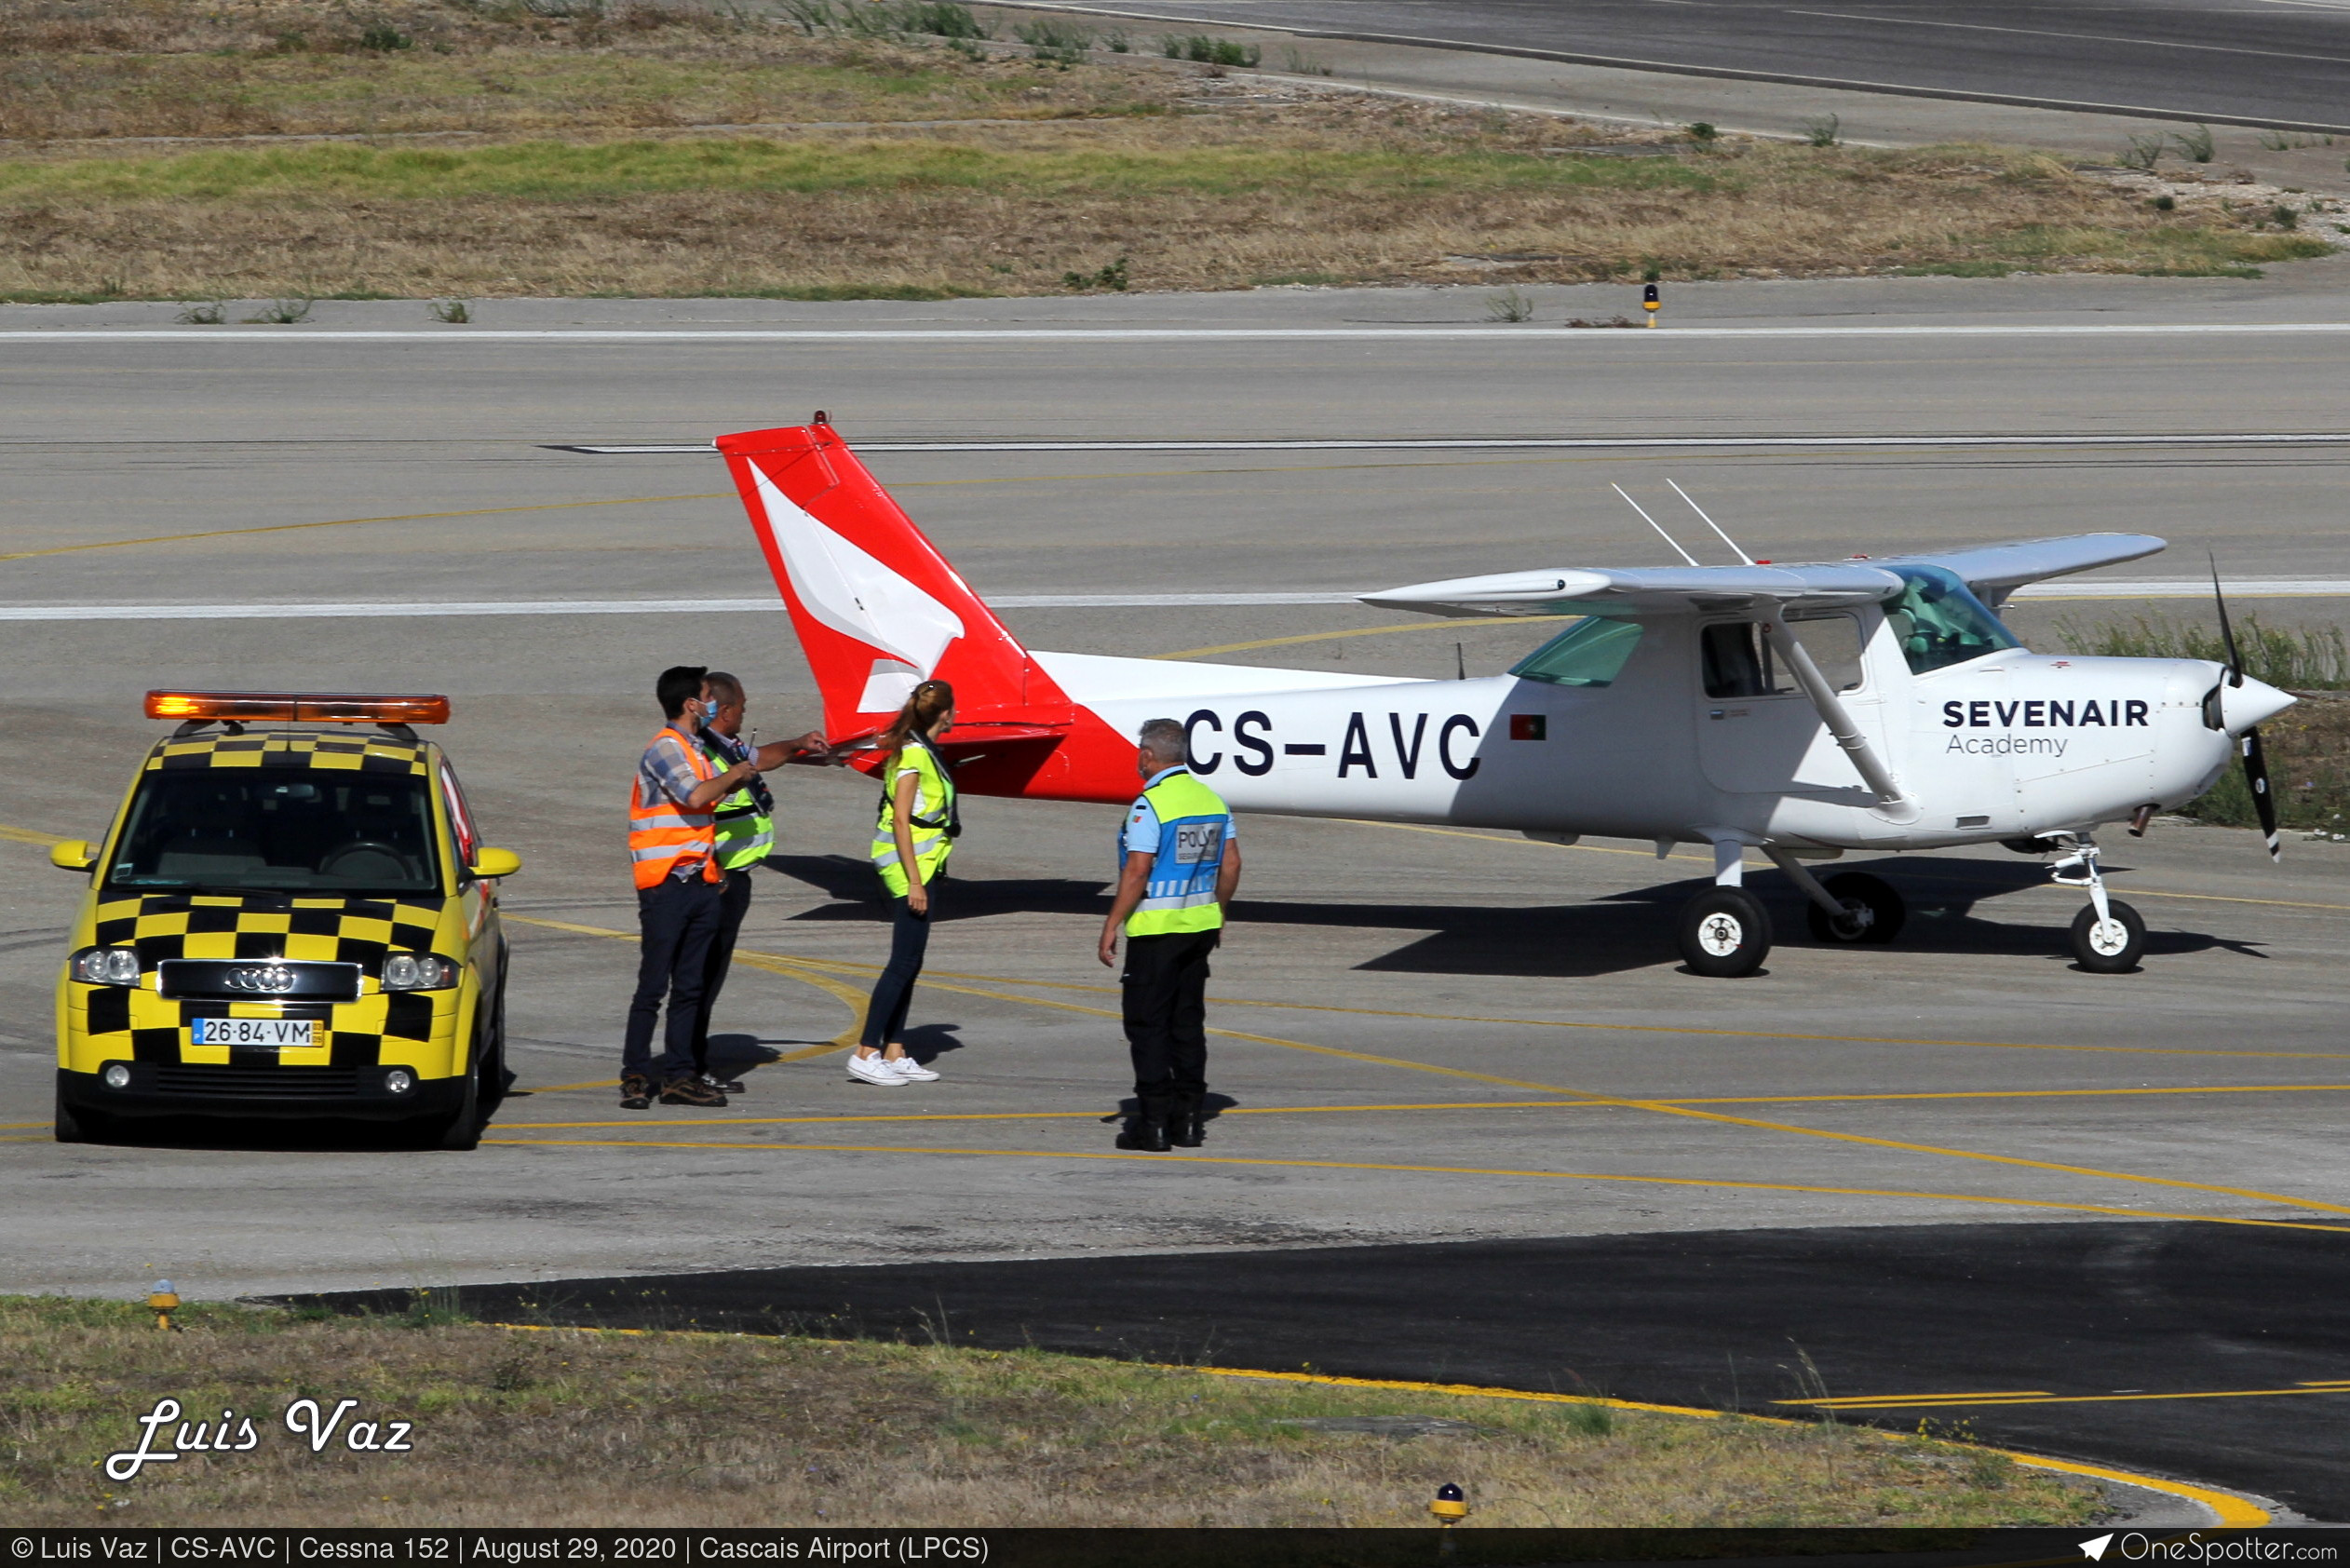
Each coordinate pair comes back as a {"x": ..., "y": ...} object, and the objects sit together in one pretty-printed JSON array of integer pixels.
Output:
[
  {"x": 106, "y": 966},
  {"x": 418, "y": 971}
]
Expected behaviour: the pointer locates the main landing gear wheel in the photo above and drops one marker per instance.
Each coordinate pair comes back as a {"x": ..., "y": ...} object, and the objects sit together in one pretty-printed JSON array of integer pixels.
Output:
[
  {"x": 1873, "y": 911},
  {"x": 2112, "y": 946},
  {"x": 1725, "y": 933}
]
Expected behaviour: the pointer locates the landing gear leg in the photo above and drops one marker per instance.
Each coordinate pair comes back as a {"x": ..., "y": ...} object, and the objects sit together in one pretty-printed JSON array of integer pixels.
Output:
[
  {"x": 1850, "y": 906},
  {"x": 1725, "y": 932},
  {"x": 2108, "y": 937}
]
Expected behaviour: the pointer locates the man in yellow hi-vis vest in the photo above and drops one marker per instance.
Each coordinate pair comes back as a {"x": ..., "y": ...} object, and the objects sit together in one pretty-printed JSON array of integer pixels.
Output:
[
  {"x": 745, "y": 825},
  {"x": 1180, "y": 866}
]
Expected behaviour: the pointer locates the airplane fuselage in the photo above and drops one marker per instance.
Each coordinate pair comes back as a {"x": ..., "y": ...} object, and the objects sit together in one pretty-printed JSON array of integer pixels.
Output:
[{"x": 2005, "y": 746}]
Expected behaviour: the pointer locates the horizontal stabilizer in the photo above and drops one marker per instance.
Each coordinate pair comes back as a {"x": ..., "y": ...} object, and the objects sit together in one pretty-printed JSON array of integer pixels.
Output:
[{"x": 1650, "y": 590}]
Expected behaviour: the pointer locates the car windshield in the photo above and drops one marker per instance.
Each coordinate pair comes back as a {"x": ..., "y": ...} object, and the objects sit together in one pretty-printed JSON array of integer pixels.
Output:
[
  {"x": 1590, "y": 653},
  {"x": 1940, "y": 623},
  {"x": 279, "y": 829}
]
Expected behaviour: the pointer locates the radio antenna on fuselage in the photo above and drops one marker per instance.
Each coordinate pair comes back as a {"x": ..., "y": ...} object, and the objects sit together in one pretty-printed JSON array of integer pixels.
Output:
[
  {"x": 1710, "y": 524},
  {"x": 1656, "y": 525}
]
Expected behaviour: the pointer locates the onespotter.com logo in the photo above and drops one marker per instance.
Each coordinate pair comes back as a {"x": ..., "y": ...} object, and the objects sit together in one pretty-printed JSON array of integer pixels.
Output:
[{"x": 2194, "y": 1546}]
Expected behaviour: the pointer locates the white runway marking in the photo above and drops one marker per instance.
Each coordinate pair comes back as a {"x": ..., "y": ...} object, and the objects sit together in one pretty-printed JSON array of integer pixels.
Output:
[
  {"x": 2278, "y": 588},
  {"x": 1481, "y": 444},
  {"x": 1491, "y": 333}
]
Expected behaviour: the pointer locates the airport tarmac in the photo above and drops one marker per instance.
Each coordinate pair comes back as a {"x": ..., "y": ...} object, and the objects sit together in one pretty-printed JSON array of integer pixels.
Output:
[{"x": 1428, "y": 1035}]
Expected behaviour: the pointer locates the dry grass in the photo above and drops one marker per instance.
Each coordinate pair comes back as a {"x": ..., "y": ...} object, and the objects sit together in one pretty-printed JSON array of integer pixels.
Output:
[
  {"x": 294, "y": 68},
  {"x": 1200, "y": 180},
  {"x": 569, "y": 1429},
  {"x": 1344, "y": 193}
]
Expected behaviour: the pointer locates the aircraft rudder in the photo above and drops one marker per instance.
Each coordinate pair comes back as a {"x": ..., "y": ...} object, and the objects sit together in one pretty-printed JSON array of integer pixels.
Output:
[{"x": 878, "y": 609}]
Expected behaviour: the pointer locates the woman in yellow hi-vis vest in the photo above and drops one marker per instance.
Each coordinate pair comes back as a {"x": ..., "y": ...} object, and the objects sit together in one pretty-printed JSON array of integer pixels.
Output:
[{"x": 912, "y": 840}]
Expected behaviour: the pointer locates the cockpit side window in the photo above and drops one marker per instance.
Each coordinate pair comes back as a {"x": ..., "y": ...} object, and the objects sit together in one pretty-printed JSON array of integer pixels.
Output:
[{"x": 1940, "y": 623}]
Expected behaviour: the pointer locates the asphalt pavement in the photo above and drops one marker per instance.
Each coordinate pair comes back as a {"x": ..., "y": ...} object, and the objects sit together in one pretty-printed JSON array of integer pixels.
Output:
[
  {"x": 1379, "y": 979},
  {"x": 2206, "y": 1351},
  {"x": 2267, "y": 64}
]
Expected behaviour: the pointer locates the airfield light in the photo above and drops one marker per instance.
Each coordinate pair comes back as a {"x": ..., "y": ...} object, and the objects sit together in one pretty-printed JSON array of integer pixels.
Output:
[
  {"x": 163, "y": 1301},
  {"x": 1650, "y": 303},
  {"x": 1450, "y": 1506},
  {"x": 315, "y": 708}
]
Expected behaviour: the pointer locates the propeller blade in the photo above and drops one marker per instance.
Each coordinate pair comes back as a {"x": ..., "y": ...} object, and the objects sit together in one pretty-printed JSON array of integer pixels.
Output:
[
  {"x": 2227, "y": 633},
  {"x": 2256, "y": 779}
]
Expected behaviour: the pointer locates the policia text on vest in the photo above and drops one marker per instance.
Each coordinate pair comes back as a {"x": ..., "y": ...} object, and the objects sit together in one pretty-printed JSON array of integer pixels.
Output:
[
  {"x": 1179, "y": 864},
  {"x": 744, "y": 825}
]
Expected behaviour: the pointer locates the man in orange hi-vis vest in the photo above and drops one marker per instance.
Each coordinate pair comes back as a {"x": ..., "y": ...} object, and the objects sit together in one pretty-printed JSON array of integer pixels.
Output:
[{"x": 673, "y": 848}]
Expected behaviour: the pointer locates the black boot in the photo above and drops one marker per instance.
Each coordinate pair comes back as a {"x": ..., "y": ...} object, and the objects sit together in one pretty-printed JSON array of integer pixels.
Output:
[
  {"x": 1146, "y": 1134},
  {"x": 1188, "y": 1128}
]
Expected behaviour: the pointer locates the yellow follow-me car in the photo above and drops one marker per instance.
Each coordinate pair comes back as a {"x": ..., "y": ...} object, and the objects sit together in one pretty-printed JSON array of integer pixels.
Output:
[{"x": 292, "y": 915}]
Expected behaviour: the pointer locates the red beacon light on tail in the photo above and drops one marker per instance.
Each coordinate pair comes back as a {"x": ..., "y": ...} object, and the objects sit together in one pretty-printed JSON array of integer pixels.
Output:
[{"x": 304, "y": 707}]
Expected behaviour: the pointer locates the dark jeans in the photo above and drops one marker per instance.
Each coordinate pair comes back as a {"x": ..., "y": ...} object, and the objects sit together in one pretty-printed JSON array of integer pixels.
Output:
[
  {"x": 676, "y": 922},
  {"x": 1166, "y": 981},
  {"x": 734, "y": 903},
  {"x": 909, "y": 940}
]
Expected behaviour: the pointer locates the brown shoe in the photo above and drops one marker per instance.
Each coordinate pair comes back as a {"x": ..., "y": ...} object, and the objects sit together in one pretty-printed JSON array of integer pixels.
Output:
[
  {"x": 636, "y": 1092},
  {"x": 692, "y": 1091}
]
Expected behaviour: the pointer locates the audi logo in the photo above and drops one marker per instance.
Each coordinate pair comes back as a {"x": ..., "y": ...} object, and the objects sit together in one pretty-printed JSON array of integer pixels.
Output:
[{"x": 262, "y": 979}]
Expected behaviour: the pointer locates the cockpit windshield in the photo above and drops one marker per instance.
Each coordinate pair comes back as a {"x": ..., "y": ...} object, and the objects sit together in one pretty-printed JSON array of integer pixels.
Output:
[
  {"x": 1590, "y": 653},
  {"x": 1939, "y": 622},
  {"x": 279, "y": 829}
]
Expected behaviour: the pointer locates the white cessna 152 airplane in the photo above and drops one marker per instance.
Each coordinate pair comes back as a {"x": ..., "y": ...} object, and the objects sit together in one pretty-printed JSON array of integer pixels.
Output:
[{"x": 1801, "y": 711}]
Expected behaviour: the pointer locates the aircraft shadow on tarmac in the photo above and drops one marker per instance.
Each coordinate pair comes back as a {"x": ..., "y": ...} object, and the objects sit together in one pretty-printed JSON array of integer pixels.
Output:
[{"x": 1629, "y": 930}]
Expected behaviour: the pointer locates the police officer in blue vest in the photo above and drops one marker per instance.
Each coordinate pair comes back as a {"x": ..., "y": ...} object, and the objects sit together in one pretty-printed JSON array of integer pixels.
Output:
[{"x": 1179, "y": 865}]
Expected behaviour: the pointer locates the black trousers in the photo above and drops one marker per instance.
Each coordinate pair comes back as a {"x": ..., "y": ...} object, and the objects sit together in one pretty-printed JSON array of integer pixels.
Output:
[
  {"x": 675, "y": 922},
  {"x": 734, "y": 903},
  {"x": 1166, "y": 985},
  {"x": 894, "y": 992}
]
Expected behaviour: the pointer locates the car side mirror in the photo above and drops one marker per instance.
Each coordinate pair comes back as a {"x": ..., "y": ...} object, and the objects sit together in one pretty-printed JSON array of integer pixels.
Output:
[
  {"x": 489, "y": 862},
  {"x": 74, "y": 855}
]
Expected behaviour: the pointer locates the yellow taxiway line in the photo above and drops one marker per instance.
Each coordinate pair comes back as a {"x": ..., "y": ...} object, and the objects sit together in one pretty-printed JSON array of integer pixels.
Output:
[
  {"x": 1655, "y": 1106},
  {"x": 1189, "y": 1158},
  {"x": 1969, "y": 1401},
  {"x": 2233, "y": 1512},
  {"x": 697, "y": 1123}
]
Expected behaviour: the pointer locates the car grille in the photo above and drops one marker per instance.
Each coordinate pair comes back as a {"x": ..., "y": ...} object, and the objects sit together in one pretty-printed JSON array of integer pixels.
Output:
[
  {"x": 260, "y": 1083},
  {"x": 256, "y": 979}
]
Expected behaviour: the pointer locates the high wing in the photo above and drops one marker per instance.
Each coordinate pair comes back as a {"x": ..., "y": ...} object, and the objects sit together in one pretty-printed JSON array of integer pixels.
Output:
[
  {"x": 1993, "y": 572},
  {"x": 1650, "y": 590}
]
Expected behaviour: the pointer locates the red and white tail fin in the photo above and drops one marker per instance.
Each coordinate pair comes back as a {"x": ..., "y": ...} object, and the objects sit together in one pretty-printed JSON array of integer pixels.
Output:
[{"x": 877, "y": 607}]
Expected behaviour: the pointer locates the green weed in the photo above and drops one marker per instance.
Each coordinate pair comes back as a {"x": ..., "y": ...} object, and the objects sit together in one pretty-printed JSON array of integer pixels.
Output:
[
  {"x": 2308, "y": 658},
  {"x": 1206, "y": 50}
]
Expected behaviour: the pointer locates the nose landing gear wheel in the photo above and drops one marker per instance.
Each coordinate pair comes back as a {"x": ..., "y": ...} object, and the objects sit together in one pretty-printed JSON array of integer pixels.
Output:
[
  {"x": 1873, "y": 911},
  {"x": 1725, "y": 933},
  {"x": 2112, "y": 946}
]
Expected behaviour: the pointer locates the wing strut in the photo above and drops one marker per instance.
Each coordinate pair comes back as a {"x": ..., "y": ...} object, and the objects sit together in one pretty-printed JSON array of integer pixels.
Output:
[{"x": 1892, "y": 802}]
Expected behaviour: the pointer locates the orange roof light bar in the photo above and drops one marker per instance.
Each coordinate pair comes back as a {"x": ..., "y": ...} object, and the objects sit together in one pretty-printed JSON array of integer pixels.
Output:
[{"x": 308, "y": 708}]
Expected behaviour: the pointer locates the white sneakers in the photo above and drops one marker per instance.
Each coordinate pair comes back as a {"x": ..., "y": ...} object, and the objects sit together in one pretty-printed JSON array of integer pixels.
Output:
[{"x": 882, "y": 1072}]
